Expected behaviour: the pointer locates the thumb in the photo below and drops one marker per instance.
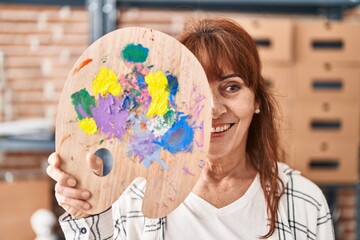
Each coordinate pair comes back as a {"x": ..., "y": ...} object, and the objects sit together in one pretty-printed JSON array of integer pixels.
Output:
[{"x": 95, "y": 163}]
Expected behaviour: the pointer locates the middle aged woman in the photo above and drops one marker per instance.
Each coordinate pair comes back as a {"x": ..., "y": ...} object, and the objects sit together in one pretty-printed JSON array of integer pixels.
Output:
[{"x": 243, "y": 191}]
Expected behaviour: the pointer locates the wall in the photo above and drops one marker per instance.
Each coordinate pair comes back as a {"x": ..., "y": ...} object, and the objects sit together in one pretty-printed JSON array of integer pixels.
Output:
[{"x": 40, "y": 44}]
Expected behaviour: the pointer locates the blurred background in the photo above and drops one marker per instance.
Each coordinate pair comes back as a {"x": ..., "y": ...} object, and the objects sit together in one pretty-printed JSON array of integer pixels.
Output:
[{"x": 311, "y": 59}]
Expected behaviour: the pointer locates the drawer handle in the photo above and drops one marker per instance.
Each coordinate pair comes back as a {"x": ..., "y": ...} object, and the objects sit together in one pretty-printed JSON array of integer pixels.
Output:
[
  {"x": 336, "y": 44},
  {"x": 324, "y": 163},
  {"x": 327, "y": 84},
  {"x": 263, "y": 42},
  {"x": 326, "y": 125}
]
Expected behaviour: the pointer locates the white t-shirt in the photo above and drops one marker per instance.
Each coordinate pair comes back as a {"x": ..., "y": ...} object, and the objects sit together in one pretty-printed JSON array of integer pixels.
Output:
[{"x": 244, "y": 219}]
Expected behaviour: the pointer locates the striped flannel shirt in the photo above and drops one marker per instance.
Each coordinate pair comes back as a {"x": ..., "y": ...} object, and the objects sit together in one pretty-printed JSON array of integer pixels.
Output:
[{"x": 303, "y": 214}]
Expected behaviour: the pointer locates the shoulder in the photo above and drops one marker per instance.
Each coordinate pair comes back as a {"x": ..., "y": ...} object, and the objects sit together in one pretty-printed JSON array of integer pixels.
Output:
[
  {"x": 303, "y": 209},
  {"x": 299, "y": 186}
]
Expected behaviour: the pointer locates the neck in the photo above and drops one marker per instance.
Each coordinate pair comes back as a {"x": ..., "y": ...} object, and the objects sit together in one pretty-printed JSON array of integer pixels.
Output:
[
  {"x": 228, "y": 167},
  {"x": 233, "y": 176}
]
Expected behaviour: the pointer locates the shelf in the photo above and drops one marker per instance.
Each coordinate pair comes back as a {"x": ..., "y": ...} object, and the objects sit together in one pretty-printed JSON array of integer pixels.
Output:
[
  {"x": 332, "y": 9},
  {"x": 47, "y": 2},
  {"x": 22, "y": 145}
]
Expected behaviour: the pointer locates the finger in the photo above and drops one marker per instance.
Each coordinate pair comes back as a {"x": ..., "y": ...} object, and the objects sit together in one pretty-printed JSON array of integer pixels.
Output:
[
  {"x": 95, "y": 163},
  {"x": 54, "y": 160},
  {"x": 61, "y": 177},
  {"x": 72, "y": 202},
  {"x": 74, "y": 212},
  {"x": 72, "y": 192}
]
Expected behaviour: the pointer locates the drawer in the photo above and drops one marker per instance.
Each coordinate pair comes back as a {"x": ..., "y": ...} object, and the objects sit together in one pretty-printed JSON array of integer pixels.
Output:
[
  {"x": 274, "y": 37},
  {"x": 327, "y": 161},
  {"x": 326, "y": 118},
  {"x": 324, "y": 81},
  {"x": 327, "y": 40}
]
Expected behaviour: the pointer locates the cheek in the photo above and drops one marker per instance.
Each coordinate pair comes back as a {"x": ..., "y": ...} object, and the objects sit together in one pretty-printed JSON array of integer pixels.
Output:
[{"x": 244, "y": 109}]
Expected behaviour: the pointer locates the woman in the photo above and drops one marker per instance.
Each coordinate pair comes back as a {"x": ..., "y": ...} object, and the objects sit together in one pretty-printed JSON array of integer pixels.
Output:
[{"x": 243, "y": 191}]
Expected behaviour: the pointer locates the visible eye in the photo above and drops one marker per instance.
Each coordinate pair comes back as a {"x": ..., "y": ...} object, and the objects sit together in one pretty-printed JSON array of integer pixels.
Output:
[{"x": 232, "y": 88}]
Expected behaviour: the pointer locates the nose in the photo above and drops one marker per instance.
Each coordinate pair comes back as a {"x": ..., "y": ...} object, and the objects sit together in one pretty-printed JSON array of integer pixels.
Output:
[{"x": 218, "y": 107}]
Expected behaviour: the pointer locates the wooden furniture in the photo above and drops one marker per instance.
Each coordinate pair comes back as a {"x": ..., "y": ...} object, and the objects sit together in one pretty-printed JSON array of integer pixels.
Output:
[{"x": 19, "y": 200}]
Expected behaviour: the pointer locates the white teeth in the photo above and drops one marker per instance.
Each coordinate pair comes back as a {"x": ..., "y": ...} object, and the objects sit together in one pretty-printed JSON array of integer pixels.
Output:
[{"x": 220, "y": 129}]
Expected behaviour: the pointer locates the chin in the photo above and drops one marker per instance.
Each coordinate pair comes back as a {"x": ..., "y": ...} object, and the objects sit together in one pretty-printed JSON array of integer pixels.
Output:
[{"x": 216, "y": 153}]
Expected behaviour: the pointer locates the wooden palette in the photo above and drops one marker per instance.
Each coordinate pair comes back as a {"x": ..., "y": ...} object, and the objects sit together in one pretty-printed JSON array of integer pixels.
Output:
[{"x": 143, "y": 96}]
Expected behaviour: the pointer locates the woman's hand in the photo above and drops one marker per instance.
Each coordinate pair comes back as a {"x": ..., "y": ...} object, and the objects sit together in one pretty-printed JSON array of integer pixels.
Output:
[{"x": 73, "y": 200}]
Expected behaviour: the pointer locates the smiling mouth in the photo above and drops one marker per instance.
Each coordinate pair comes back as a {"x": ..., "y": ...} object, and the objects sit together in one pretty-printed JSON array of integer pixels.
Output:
[{"x": 221, "y": 129}]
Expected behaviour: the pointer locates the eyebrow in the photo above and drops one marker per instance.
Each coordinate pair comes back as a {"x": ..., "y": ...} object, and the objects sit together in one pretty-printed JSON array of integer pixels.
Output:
[{"x": 230, "y": 76}]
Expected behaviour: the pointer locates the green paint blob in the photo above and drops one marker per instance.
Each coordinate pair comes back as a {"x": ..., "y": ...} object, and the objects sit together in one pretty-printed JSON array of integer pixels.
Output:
[
  {"x": 83, "y": 102},
  {"x": 135, "y": 53},
  {"x": 135, "y": 92},
  {"x": 169, "y": 117}
]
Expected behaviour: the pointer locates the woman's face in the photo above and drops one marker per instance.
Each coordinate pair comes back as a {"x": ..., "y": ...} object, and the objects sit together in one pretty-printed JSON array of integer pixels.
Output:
[{"x": 232, "y": 111}]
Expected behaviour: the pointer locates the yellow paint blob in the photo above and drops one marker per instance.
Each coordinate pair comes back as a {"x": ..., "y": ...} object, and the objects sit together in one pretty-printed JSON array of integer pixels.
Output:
[
  {"x": 88, "y": 125},
  {"x": 105, "y": 82},
  {"x": 158, "y": 90}
]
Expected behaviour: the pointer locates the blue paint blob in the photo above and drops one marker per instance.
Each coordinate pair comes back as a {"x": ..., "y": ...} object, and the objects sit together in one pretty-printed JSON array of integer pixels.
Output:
[
  {"x": 129, "y": 103},
  {"x": 141, "y": 81},
  {"x": 135, "y": 53},
  {"x": 179, "y": 137},
  {"x": 173, "y": 87}
]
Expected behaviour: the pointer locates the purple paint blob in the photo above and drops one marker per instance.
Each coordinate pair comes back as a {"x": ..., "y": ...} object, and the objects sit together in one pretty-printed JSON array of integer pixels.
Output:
[
  {"x": 187, "y": 171},
  {"x": 142, "y": 143},
  {"x": 147, "y": 151},
  {"x": 143, "y": 146},
  {"x": 201, "y": 164},
  {"x": 110, "y": 117}
]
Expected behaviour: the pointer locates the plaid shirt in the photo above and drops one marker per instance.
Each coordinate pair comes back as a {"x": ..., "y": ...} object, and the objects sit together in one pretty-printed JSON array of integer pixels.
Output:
[{"x": 303, "y": 214}]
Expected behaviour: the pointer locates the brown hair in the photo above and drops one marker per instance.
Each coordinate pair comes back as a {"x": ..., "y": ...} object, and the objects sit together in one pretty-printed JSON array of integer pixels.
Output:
[{"x": 215, "y": 41}]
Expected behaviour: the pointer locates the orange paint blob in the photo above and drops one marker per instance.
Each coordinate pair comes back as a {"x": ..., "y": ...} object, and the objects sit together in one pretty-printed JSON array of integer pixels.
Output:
[{"x": 81, "y": 65}]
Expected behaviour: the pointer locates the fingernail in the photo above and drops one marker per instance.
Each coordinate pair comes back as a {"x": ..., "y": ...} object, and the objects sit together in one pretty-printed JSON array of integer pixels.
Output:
[
  {"x": 87, "y": 206},
  {"x": 85, "y": 194},
  {"x": 71, "y": 182}
]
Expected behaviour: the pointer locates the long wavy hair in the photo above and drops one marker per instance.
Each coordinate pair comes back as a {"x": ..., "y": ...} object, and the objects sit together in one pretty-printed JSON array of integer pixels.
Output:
[{"x": 223, "y": 44}]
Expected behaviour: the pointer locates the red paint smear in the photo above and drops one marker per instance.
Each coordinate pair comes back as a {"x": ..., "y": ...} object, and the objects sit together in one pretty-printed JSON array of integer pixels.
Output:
[{"x": 83, "y": 64}]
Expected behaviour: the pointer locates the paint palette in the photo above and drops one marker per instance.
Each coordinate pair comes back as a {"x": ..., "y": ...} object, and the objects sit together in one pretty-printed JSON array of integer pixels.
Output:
[{"x": 143, "y": 96}]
